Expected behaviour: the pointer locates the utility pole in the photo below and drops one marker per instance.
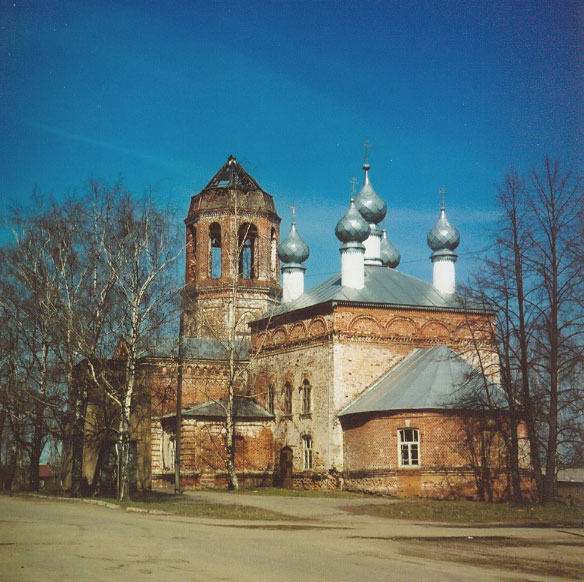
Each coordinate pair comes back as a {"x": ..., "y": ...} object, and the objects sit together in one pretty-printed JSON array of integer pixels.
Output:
[{"x": 179, "y": 382}]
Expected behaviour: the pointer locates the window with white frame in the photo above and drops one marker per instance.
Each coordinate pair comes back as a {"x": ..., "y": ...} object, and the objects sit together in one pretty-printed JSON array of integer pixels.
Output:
[
  {"x": 307, "y": 451},
  {"x": 409, "y": 447}
]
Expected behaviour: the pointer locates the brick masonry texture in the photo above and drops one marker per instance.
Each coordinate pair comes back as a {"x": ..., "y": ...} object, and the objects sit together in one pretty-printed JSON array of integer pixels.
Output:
[
  {"x": 203, "y": 453},
  {"x": 446, "y": 468},
  {"x": 205, "y": 297}
]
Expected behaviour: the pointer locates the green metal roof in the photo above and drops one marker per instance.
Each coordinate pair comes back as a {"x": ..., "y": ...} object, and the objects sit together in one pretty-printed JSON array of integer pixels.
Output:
[{"x": 427, "y": 378}]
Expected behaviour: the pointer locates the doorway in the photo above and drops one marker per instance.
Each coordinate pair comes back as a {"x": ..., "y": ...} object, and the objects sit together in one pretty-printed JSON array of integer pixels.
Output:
[{"x": 286, "y": 468}]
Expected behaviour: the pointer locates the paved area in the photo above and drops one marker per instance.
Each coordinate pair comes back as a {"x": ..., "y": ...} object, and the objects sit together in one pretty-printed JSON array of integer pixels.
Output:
[{"x": 60, "y": 540}]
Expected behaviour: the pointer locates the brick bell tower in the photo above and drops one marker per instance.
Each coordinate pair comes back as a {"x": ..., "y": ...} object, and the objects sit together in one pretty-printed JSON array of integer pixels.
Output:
[{"x": 232, "y": 234}]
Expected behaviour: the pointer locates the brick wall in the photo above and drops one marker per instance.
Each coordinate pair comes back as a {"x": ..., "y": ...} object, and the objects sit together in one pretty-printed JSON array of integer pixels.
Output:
[
  {"x": 203, "y": 452},
  {"x": 343, "y": 351},
  {"x": 310, "y": 363},
  {"x": 203, "y": 380},
  {"x": 206, "y": 298},
  {"x": 446, "y": 467}
]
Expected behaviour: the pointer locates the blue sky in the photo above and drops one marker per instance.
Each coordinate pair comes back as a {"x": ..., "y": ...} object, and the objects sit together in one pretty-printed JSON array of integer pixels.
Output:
[{"x": 448, "y": 93}]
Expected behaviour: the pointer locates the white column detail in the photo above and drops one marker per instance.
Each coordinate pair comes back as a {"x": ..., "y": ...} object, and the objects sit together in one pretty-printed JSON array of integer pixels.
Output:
[
  {"x": 353, "y": 265},
  {"x": 444, "y": 276},
  {"x": 292, "y": 282}
]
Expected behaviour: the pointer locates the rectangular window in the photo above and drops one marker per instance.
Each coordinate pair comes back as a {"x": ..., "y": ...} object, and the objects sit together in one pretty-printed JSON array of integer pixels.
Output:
[
  {"x": 409, "y": 447},
  {"x": 307, "y": 450}
]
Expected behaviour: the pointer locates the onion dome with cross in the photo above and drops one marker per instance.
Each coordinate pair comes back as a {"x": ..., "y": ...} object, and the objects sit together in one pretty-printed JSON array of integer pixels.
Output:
[
  {"x": 443, "y": 236},
  {"x": 293, "y": 249},
  {"x": 371, "y": 206},
  {"x": 352, "y": 227}
]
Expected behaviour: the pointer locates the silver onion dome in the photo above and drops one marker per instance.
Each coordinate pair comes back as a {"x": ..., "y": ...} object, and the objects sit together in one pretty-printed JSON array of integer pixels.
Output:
[
  {"x": 370, "y": 205},
  {"x": 443, "y": 235},
  {"x": 293, "y": 249},
  {"x": 389, "y": 255},
  {"x": 352, "y": 227}
]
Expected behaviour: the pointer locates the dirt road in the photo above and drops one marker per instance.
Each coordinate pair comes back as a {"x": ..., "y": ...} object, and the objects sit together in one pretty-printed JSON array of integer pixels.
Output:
[{"x": 60, "y": 540}]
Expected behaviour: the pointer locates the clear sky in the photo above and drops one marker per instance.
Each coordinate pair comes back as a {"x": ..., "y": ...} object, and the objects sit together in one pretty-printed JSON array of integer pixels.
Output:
[{"x": 448, "y": 93}]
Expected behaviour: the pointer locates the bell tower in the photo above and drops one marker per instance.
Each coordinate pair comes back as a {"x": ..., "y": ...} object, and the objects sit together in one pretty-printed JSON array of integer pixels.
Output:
[{"x": 232, "y": 234}]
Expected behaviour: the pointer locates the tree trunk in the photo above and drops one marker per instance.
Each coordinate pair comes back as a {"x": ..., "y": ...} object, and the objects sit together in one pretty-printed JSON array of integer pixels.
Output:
[
  {"x": 2, "y": 467},
  {"x": 11, "y": 469},
  {"x": 36, "y": 449},
  {"x": 514, "y": 461},
  {"x": 77, "y": 440},
  {"x": 233, "y": 482},
  {"x": 125, "y": 417},
  {"x": 37, "y": 444}
]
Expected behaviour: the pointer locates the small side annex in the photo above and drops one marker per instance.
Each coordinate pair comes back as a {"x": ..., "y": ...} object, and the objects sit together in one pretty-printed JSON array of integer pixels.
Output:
[
  {"x": 413, "y": 433},
  {"x": 203, "y": 445}
]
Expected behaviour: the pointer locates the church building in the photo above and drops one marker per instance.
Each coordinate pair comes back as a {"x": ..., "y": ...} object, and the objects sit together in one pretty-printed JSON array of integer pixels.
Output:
[{"x": 352, "y": 384}]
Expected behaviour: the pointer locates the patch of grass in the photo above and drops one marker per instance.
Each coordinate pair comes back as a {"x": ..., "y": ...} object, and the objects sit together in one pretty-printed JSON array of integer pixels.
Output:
[
  {"x": 475, "y": 512},
  {"x": 188, "y": 508},
  {"x": 182, "y": 505}
]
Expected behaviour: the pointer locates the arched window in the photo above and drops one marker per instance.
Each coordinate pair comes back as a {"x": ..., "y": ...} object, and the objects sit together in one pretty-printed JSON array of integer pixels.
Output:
[
  {"x": 214, "y": 251},
  {"x": 409, "y": 447},
  {"x": 306, "y": 391},
  {"x": 307, "y": 451},
  {"x": 270, "y": 399},
  {"x": 247, "y": 240},
  {"x": 273, "y": 255},
  {"x": 288, "y": 399}
]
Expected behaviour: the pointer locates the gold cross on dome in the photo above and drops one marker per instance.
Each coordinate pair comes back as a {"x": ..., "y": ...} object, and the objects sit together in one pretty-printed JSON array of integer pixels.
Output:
[{"x": 353, "y": 182}]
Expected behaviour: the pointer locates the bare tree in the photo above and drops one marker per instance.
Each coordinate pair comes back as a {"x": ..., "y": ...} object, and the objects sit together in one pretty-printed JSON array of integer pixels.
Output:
[
  {"x": 139, "y": 252},
  {"x": 27, "y": 295},
  {"x": 556, "y": 205},
  {"x": 79, "y": 274},
  {"x": 533, "y": 280}
]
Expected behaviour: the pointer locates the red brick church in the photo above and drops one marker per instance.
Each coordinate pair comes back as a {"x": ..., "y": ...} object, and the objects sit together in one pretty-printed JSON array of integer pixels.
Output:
[{"x": 353, "y": 384}]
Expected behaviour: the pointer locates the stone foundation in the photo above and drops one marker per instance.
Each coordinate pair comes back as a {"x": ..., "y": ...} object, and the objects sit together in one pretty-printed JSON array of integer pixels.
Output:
[{"x": 192, "y": 481}]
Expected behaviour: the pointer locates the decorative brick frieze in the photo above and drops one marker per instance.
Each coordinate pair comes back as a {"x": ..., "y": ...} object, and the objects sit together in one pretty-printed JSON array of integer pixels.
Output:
[{"x": 418, "y": 328}]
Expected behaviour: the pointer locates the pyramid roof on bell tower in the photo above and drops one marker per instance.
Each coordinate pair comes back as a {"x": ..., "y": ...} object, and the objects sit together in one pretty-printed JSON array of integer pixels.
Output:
[
  {"x": 232, "y": 176},
  {"x": 230, "y": 185}
]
